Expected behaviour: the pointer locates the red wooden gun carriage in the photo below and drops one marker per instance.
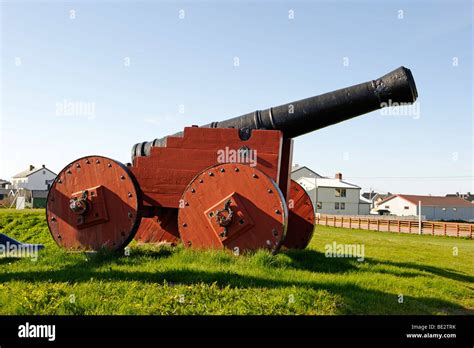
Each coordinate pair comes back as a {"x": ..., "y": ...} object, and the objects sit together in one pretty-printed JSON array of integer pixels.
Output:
[{"x": 223, "y": 185}]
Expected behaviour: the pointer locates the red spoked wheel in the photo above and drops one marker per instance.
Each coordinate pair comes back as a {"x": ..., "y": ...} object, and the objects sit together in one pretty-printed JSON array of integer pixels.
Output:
[
  {"x": 233, "y": 206},
  {"x": 93, "y": 204},
  {"x": 301, "y": 218}
]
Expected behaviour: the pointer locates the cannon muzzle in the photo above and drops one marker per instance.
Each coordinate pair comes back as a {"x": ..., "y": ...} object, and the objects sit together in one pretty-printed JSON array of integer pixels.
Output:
[{"x": 307, "y": 115}]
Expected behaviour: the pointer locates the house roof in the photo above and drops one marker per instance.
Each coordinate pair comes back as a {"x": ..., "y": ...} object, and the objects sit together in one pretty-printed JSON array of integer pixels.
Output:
[
  {"x": 296, "y": 169},
  {"x": 311, "y": 183},
  {"x": 373, "y": 195},
  {"x": 433, "y": 200},
  {"x": 30, "y": 171},
  {"x": 327, "y": 182},
  {"x": 307, "y": 183}
]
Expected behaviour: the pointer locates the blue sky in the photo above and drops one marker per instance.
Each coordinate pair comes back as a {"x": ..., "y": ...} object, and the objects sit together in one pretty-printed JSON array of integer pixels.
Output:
[{"x": 48, "y": 57}]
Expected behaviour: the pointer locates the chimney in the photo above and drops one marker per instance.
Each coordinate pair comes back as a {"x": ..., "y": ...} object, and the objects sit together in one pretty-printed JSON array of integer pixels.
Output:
[
  {"x": 457, "y": 194},
  {"x": 32, "y": 167},
  {"x": 43, "y": 166},
  {"x": 339, "y": 176}
]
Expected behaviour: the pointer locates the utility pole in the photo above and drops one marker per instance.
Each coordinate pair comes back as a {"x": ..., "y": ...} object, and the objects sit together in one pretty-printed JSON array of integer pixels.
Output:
[{"x": 419, "y": 217}]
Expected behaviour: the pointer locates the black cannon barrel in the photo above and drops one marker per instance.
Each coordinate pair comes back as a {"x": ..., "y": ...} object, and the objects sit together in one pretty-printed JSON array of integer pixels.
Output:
[{"x": 307, "y": 115}]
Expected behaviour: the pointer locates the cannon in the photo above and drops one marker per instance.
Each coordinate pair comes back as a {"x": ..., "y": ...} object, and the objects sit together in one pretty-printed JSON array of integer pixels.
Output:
[{"x": 225, "y": 185}]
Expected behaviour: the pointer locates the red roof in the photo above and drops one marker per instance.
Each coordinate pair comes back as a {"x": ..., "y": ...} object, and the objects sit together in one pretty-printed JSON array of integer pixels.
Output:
[{"x": 434, "y": 200}]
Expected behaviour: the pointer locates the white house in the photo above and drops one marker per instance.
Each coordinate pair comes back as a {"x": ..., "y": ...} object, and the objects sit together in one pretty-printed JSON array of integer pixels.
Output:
[
  {"x": 33, "y": 179},
  {"x": 331, "y": 195},
  {"x": 375, "y": 198},
  {"x": 432, "y": 207}
]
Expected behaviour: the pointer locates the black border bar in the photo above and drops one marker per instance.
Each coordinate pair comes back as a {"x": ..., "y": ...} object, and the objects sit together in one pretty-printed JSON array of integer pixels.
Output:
[{"x": 242, "y": 330}]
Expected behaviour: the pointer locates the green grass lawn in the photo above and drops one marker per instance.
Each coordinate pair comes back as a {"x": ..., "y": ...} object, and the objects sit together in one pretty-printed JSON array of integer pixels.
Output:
[{"x": 164, "y": 280}]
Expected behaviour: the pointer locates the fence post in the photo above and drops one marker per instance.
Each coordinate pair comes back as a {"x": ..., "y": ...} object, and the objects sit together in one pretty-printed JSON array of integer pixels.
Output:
[
  {"x": 388, "y": 226},
  {"x": 409, "y": 226},
  {"x": 470, "y": 230},
  {"x": 445, "y": 228},
  {"x": 433, "y": 229},
  {"x": 334, "y": 220},
  {"x": 457, "y": 230},
  {"x": 342, "y": 221},
  {"x": 358, "y": 222},
  {"x": 378, "y": 225},
  {"x": 399, "y": 230},
  {"x": 350, "y": 222},
  {"x": 326, "y": 220}
]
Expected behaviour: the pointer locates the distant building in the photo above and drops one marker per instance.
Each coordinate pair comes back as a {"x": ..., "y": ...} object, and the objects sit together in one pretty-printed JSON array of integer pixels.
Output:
[
  {"x": 4, "y": 184},
  {"x": 4, "y": 188},
  {"x": 432, "y": 207},
  {"x": 375, "y": 198},
  {"x": 34, "y": 179},
  {"x": 331, "y": 195}
]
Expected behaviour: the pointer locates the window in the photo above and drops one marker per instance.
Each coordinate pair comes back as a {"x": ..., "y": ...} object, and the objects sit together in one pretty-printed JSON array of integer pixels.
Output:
[
  {"x": 406, "y": 207},
  {"x": 336, "y": 205},
  {"x": 444, "y": 209},
  {"x": 340, "y": 192},
  {"x": 387, "y": 206},
  {"x": 454, "y": 209},
  {"x": 343, "y": 206},
  {"x": 319, "y": 205},
  {"x": 44, "y": 172}
]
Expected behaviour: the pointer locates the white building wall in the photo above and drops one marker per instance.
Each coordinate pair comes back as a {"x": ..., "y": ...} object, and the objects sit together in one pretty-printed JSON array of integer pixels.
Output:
[
  {"x": 364, "y": 208},
  {"x": 397, "y": 205},
  {"x": 35, "y": 181},
  {"x": 327, "y": 197},
  {"x": 448, "y": 213}
]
